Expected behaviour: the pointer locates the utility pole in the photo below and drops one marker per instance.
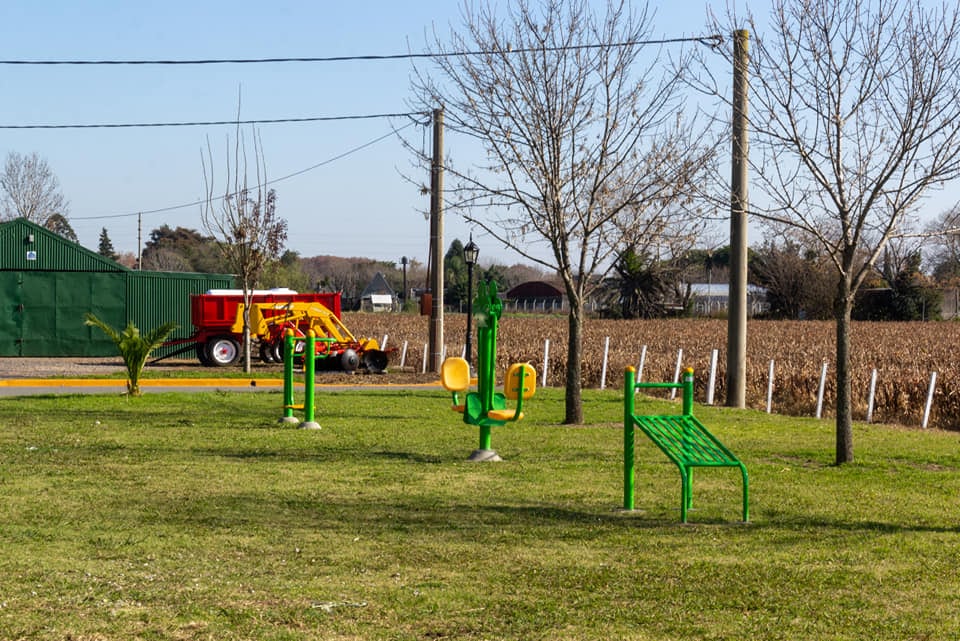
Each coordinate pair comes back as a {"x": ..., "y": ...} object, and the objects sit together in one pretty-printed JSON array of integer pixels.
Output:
[
  {"x": 139, "y": 241},
  {"x": 436, "y": 245},
  {"x": 737, "y": 319}
]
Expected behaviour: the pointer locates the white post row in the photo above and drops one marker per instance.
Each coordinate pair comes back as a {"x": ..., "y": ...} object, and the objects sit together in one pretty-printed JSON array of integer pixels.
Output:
[
  {"x": 603, "y": 370},
  {"x": 713, "y": 376},
  {"x": 676, "y": 373},
  {"x": 823, "y": 383},
  {"x": 546, "y": 362},
  {"x": 872, "y": 395},
  {"x": 770, "y": 387},
  {"x": 926, "y": 408},
  {"x": 643, "y": 359}
]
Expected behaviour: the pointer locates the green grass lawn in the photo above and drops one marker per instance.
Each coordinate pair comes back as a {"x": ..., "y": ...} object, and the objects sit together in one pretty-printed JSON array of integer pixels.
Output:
[{"x": 197, "y": 516}]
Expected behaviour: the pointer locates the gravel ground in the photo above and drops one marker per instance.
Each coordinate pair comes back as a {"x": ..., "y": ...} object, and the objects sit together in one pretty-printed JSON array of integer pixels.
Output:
[{"x": 25, "y": 367}]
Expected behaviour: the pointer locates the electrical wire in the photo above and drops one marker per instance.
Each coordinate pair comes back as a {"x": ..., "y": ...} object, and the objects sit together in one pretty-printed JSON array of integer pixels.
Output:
[
  {"x": 267, "y": 121},
  {"x": 269, "y": 182},
  {"x": 712, "y": 40}
]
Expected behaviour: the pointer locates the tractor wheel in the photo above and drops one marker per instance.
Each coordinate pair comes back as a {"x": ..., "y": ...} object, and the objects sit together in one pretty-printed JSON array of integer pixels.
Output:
[
  {"x": 276, "y": 351},
  {"x": 266, "y": 353},
  {"x": 349, "y": 361},
  {"x": 223, "y": 351},
  {"x": 375, "y": 361}
]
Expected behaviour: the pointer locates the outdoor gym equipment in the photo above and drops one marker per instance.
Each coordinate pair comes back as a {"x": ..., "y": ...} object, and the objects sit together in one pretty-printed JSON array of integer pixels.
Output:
[
  {"x": 309, "y": 369},
  {"x": 683, "y": 439},
  {"x": 486, "y": 407}
]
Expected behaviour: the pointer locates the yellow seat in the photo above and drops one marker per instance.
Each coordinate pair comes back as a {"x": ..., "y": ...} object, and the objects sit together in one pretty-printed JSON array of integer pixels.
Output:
[
  {"x": 455, "y": 377},
  {"x": 519, "y": 384}
]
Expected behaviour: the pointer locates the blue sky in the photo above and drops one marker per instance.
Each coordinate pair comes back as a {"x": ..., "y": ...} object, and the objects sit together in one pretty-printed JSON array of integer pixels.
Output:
[{"x": 358, "y": 205}]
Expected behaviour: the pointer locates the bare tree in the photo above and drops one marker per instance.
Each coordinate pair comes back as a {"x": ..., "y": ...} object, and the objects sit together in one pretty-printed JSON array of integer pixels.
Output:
[
  {"x": 854, "y": 118},
  {"x": 943, "y": 259},
  {"x": 585, "y": 153},
  {"x": 30, "y": 190},
  {"x": 243, "y": 220}
]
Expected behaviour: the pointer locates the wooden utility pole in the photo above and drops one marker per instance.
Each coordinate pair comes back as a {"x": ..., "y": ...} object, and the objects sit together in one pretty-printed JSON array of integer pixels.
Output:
[
  {"x": 737, "y": 319},
  {"x": 436, "y": 245}
]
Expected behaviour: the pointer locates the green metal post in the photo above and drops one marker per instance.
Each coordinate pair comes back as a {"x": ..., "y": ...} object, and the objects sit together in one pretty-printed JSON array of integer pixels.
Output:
[
  {"x": 309, "y": 376},
  {"x": 629, "y": 380},
  {"x": 687, "y": 411},
  {"x": 688, "y": 391},
  {"x": 485, "y": 437},
  {"x": 288, "y": 376}
]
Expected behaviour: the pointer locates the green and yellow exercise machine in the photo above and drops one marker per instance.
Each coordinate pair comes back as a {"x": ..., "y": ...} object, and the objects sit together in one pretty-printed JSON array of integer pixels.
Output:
[
  {"x": 487, "y": 407},
  {"x": 682, "y": 438},
  {"x": 308, "y": 406}
]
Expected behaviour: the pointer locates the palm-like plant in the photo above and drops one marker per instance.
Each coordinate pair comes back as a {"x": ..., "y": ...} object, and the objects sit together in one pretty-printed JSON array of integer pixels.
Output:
[{"x": 134, "y": 347}]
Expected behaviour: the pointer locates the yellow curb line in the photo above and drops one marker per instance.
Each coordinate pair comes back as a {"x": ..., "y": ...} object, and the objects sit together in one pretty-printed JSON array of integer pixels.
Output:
[{"x": 182, "y": 382}]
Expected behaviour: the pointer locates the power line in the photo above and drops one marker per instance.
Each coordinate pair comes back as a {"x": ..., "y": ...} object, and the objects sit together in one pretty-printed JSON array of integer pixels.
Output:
[
  {"x": 268, "y": 121},
  {"x": 712, "y": 40},
  {"x": 269, "y": 182}
]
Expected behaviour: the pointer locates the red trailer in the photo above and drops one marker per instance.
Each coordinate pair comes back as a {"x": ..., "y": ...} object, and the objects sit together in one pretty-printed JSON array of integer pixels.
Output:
[{"x": 214, "y": 315}]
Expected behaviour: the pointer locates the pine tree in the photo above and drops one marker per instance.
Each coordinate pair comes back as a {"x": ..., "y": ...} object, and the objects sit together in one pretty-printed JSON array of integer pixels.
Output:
[{"x": 106, "y": 246}]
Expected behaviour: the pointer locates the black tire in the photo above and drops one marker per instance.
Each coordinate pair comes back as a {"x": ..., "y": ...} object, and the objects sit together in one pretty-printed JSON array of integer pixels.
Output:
[
  {"x": 375, "y": 361},
  {"x": 202, "y": 355},
  {"x": 349, "y": 361},
  {"x": 266, "y": 353},
  {"x": 276, "y": 350},
  {"x": 223, "y": 351}
]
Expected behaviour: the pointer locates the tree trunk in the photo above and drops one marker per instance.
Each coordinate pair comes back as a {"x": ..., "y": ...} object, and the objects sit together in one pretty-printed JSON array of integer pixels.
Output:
[
  {"x": 247, "y": 302},
  {"x": 844, "y": 306},
  {"x": 574, "y": 399}
]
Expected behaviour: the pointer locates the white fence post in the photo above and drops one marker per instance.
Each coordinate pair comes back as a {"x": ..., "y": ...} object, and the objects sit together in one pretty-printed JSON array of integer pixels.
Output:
[
  {"x": 403, "y": 354},
  {"x": 383, "y": 343},
  {"x": 603, "y": 370},
  {"x": 676, "y": 373},
  {"x": 546, "y": 361},
  {"x": 713, "y": 376},
  {"x": 926, "y": 409},
  {"x": 770, "y": 387},
  {"x": 871, "y": 396},
  {"x": 424, "y": 359},
  {"x": 823, "y": 384},
  {"x": 643, "y": 359}
]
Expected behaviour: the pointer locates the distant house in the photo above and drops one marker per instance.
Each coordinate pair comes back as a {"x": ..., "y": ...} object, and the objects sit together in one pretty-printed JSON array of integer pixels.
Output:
[
  {"x": 378, "y": 296},
  {"x": 535, "y": 296},
  {"x": 714, "y": 298}
]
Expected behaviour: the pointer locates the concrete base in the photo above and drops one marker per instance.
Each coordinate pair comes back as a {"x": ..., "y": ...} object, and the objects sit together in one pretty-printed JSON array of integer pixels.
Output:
[
  {"x": 309, "y": 425},
  {"x": 484, "y": 455},
  {"x": 289, "y": 420}
]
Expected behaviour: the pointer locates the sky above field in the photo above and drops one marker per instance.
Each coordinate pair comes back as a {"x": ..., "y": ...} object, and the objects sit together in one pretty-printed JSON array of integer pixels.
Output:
[{"x": 340, "y": 184}]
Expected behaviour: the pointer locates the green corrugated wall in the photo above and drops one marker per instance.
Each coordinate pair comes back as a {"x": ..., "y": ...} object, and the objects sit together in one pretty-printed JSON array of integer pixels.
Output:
[{"x": 48, "y": 284}]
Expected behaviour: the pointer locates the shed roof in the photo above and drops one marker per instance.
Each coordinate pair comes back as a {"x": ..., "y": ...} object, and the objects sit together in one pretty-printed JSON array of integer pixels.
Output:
[
  {"x": 27, "y": 246},
  {"x": 534, "y": 289}
]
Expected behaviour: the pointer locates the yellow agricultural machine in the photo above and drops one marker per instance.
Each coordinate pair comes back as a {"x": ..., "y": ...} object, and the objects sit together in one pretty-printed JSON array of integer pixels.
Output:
[
  {"x": 337, "y": 348},
  {"x": 217, "y": 318}
]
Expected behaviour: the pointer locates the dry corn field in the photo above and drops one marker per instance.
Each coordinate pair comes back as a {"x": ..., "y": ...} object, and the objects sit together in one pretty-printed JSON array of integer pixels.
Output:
[{"x": 904, "y": 355}]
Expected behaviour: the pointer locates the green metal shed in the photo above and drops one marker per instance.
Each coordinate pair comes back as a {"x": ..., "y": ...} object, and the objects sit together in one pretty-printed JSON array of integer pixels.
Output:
[{"x": 48, "y": 284}]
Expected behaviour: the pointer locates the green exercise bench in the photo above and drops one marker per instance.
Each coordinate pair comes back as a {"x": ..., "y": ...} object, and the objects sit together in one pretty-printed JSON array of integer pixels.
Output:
[{"x": 682, "y": 438}]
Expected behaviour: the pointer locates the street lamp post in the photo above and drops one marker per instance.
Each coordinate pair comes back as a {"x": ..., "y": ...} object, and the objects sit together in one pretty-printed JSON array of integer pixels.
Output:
[{"x": 470, "y": 253}]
